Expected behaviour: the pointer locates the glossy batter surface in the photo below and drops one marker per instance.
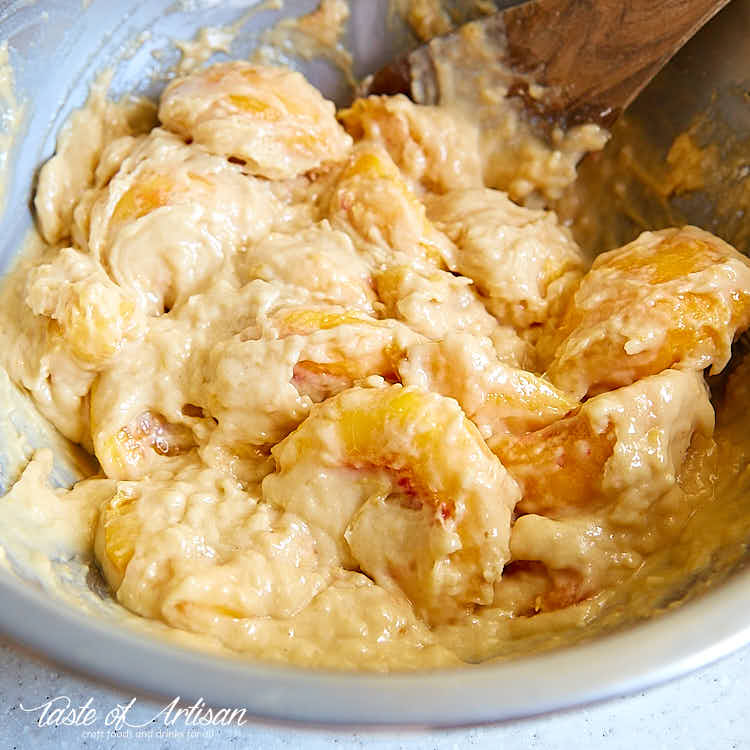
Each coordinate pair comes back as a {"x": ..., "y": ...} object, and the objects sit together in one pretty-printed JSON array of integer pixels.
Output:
[{"x": 353, "y": 408}]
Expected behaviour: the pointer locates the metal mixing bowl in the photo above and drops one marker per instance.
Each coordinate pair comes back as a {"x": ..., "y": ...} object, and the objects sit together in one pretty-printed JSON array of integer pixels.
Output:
[{"x": 56, "y": 49}]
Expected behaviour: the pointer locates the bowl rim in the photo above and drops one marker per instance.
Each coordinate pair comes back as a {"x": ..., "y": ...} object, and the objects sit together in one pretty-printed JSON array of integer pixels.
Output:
[{"x": 667, "y": 646}]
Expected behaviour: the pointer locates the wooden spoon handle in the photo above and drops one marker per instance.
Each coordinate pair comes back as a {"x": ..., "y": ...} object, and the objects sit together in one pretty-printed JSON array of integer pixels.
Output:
[
  {"x": 592, "y": 57},
  {"x": 595, "y": 56}
]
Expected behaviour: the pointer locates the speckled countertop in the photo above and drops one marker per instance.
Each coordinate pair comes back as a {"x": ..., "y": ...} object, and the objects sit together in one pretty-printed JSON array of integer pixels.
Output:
[{"x": 709, "y": 709}]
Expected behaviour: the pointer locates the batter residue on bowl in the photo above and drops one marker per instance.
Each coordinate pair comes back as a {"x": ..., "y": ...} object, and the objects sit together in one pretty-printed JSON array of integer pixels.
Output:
[{"x": 353, "y": 408}]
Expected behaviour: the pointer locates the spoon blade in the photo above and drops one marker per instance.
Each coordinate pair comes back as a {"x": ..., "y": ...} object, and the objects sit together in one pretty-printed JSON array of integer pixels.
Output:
[{"x": 566, "y": 62}]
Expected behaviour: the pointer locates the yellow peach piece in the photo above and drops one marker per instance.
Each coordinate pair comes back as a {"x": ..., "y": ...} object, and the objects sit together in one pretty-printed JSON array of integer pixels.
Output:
[
  {"x": 673, "y": 298},
  {"x": 270, "y": 118},
  {"x": 426, "y": 512}
]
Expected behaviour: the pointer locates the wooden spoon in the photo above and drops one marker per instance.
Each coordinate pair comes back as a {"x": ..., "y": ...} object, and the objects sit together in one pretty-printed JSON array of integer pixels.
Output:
[{"x": 568, "y": 61}]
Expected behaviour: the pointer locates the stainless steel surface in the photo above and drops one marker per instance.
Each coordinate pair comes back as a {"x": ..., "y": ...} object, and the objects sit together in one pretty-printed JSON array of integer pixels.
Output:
[
  {"x": 56, "y": 49},
  {"x": 704, "y": 90}
]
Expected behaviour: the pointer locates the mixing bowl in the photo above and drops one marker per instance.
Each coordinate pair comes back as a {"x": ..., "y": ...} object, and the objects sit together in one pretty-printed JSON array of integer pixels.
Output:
[{"x": 56, "y": 50}]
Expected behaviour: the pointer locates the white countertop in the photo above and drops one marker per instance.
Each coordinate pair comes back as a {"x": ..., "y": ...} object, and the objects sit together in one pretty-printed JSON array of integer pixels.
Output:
[{"x": 708, "y": 709}]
